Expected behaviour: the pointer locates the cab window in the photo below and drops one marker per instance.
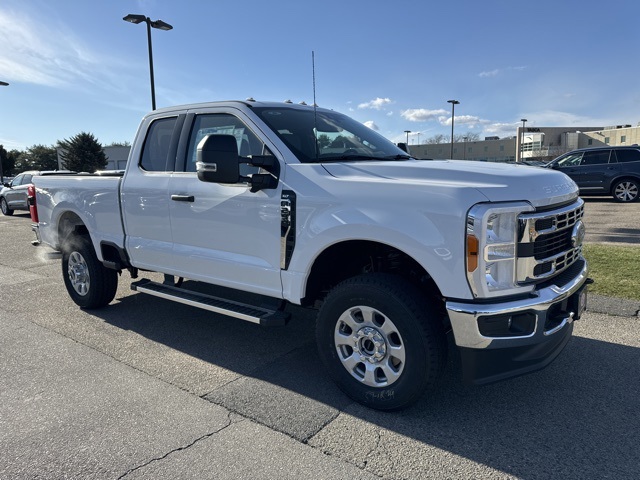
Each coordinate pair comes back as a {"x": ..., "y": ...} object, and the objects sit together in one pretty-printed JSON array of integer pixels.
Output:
[
  {"x": 224, "y": 124},
  {"x": 155, "y": 151}
]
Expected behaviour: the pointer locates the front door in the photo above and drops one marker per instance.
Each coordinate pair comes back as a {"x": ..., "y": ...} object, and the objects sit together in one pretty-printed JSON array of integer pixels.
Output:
[{"x": 225, "y": 234}]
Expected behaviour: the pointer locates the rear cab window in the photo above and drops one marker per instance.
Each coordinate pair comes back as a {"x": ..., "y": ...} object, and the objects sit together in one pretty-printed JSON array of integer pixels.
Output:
[{"x": 155, "y": 152}]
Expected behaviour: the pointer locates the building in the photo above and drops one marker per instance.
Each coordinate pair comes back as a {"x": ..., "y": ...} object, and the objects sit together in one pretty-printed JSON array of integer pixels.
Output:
[{"x": 529, "y": 143}]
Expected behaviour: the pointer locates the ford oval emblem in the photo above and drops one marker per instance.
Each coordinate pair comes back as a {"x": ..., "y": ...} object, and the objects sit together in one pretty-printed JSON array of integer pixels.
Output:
[{"x": 577, "y": 235}]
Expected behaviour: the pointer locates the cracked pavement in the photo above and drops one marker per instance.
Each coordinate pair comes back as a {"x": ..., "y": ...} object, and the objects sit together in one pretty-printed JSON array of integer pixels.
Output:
[{"x": 150, "y": 389}]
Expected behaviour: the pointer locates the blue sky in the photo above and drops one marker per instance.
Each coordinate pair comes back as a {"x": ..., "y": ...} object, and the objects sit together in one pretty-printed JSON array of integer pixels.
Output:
[{"x": 75, "y": 65}]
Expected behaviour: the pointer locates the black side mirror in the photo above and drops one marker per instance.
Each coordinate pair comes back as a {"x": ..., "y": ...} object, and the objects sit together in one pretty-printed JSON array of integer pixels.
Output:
[
  {"x": 403, "y": 146},
  {"x": 217, "y": 159}
]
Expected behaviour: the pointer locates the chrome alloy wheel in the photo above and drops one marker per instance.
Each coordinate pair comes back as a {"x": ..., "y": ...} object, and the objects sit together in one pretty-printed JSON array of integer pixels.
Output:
[
  {"x": 626, "y": 191},
  {"x": 369, "y": 346},
  {"x": 78, "y": 272}
]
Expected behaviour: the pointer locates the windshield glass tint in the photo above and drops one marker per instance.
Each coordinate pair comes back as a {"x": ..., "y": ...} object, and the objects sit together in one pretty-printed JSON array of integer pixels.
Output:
[{"x": 327, "y": 136}]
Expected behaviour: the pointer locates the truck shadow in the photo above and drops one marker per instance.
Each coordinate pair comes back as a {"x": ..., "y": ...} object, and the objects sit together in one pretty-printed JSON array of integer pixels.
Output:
[{"x": 576, "y": 419}]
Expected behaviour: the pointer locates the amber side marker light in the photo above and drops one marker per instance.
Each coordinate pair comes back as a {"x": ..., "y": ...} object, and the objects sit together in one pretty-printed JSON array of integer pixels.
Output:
[{"x": 472, "y": 253}]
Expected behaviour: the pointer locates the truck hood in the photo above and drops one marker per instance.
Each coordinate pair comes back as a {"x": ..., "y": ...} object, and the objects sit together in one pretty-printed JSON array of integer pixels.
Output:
[{"x": 496, "y": 181}]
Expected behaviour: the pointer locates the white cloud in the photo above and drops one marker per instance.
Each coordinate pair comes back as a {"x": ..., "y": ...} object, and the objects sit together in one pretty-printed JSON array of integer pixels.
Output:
[
  {"x": 498, "y": 71},
  {"x": 491, "y": 73},
  {"x": 34, "y": 53},
  {"x": 501, "y": 129},
  {"x": 376, "y": 104},
  {"x": 422, "y": 114},
  {"x": 469, "y": 120},
  {"x": 552, "y": 118},
  {"x": 371, "y": 125}
]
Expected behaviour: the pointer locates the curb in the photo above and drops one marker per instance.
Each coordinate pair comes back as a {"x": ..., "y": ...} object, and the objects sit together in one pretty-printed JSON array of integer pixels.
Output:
[{"x": 619, "y": 307}]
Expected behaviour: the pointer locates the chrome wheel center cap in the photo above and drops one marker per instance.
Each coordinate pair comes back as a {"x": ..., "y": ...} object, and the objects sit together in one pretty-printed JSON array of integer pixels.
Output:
[{"x": 370, "y": 344}]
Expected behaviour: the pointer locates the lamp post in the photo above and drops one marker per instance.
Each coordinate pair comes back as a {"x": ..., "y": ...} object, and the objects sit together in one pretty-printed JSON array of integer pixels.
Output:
[
  {"x": 160, "y": 25},
  {"x": 523, "y": 120},
  {"x": 453, "y": 109},
  {"x": 3, "y": 84},
  {"x": 465, "y": 148},
  {"x": 407, "y": 132}
]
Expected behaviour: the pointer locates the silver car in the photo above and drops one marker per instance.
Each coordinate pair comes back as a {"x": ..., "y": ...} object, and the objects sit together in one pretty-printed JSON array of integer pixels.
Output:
[{"x": 13, "y": 195}]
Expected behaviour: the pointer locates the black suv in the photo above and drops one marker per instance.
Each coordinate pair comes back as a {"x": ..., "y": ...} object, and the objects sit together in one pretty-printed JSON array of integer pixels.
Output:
[
  {"x": 13, "y": 196},
  {"x": 603, "y": 171}
]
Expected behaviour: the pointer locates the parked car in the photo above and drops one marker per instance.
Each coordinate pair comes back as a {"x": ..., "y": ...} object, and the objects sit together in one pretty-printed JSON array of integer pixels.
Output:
[
  {"x": 611, "y": 171},
  {"x": 13, "y": 195}
]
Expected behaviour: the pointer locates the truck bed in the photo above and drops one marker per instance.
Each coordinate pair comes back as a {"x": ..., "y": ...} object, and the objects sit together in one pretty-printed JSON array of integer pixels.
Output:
[{"x": 93, "y": 199}]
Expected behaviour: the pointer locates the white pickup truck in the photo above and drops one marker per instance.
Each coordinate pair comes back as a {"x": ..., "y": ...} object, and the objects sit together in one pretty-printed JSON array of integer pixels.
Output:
[{"x": 306, "y": 206}]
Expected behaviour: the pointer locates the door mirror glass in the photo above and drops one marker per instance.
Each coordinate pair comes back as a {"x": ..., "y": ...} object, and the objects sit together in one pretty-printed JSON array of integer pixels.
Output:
[{"x": 217, "y": 159}]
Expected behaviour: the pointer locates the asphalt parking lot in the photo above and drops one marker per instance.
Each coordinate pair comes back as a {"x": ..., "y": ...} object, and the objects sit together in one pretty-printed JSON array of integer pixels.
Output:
[{"x": 150, "y": 389}]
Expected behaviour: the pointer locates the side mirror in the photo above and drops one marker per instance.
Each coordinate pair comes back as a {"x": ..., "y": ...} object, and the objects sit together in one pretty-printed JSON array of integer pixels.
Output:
[
  {"x": 217, "y": 159},
  {"x": 403, "y": 146}
]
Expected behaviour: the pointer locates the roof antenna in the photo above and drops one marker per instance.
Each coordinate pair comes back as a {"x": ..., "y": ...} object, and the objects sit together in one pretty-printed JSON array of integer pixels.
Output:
[{"x": 315, "y": 105}]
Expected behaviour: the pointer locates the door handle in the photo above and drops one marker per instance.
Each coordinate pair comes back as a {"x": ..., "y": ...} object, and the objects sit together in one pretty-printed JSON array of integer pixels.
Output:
[{"x": 183, "y": 198}]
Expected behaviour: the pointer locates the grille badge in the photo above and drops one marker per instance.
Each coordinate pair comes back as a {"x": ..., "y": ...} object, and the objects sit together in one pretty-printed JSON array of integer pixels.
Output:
[{"x": 577, "y": 234}]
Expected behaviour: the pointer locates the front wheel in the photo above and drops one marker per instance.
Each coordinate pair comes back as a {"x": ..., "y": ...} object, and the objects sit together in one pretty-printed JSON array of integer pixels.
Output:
[
  {"x": 381, "y": 340},
  {"x": 89, "y": 283},
  {"x": 626, "y": 191},
  {"x": 4, "y": 206}
]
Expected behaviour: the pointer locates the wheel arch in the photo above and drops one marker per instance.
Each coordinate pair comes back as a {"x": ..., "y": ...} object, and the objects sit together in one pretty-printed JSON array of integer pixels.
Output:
[
  {"x": 622, "y": 178},
  {"x": 349, "y": 258},
  {"x": 70, "y": 223}
]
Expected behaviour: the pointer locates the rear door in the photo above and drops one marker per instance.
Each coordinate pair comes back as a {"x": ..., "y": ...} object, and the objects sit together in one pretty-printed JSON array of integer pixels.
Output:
[
  {"x": 595, "y": 171},
  {"x": 145, "y": 195},
  {"x": 17, "y": 196}
]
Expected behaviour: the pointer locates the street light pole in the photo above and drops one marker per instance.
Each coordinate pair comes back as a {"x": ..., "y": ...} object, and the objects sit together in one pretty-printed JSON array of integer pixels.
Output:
[
  {"x": 3, "y": 84},
  {"x": 160, "y": 25},
  {"x": 453, "y": 108},
  {"x": 523, "y": 120},
  {"x": 407, "y": 132}
]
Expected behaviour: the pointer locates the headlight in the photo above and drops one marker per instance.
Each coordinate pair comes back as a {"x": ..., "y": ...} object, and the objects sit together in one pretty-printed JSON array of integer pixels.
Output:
[{"x": 492, "y": 240}]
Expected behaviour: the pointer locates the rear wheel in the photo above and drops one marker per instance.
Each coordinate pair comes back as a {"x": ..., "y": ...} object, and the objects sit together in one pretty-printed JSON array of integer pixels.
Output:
[
  {"x": 626, "y": 191},
  {"x": 381, "y": 341},
  {"x": 4, "y": 206},
  {"x": 89, "y": 283}
]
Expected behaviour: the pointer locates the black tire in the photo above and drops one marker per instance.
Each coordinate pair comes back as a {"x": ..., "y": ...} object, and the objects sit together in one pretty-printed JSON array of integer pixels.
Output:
[
  {"x": 90, "y": 284},
  {"x": 5, "y": 207},
  {"x": 626, "y": 190},
  {"x": 381, "y": 340}
]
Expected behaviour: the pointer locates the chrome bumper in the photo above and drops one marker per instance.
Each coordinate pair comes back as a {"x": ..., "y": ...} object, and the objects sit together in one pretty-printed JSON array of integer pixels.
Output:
[{"x": 464, "y": 316}]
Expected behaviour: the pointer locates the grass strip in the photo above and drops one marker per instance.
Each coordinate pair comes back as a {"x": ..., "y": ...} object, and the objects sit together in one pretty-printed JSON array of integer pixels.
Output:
[{"x": 614, "y": 269}]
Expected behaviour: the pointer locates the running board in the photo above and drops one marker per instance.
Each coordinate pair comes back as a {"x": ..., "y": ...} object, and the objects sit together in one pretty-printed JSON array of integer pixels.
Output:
[{"x": 250, "y": 313}]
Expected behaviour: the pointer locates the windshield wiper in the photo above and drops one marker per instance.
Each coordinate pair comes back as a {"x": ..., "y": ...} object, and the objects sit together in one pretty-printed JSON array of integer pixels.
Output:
[{"x": 399, "y": 157}]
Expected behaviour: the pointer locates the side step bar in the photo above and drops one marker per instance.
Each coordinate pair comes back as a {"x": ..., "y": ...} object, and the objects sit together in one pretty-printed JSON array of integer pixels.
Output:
[{"x": 250, "y": 313}]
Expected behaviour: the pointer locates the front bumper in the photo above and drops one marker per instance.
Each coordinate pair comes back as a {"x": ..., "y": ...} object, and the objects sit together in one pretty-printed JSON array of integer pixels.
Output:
[{"x": 548, "y": 319}]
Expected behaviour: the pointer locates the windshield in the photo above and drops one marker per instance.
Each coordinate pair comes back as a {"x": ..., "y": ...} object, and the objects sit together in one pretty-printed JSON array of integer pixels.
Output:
[{"x": 325, "y": 136}]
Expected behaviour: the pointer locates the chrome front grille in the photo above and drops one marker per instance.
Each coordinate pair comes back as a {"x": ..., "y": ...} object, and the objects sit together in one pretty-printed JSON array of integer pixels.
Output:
[{"x": 547, "y": 244}]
